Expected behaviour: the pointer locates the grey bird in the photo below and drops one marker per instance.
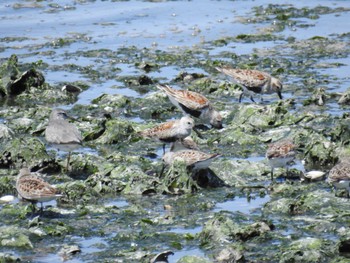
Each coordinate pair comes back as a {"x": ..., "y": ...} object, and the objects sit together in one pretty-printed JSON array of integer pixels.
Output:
[{"x": 62, "y": 134}]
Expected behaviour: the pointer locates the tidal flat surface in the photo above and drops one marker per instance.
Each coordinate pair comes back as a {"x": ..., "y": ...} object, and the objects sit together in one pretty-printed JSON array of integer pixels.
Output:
[{"x": 108, "y": 48}]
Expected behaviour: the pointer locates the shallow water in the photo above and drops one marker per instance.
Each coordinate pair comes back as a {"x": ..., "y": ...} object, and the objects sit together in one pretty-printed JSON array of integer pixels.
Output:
[{"x": 167, "y": 25}]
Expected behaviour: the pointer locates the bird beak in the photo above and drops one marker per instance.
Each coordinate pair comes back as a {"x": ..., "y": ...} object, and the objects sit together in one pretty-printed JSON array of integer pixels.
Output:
[{"x": 279, "y": 94}]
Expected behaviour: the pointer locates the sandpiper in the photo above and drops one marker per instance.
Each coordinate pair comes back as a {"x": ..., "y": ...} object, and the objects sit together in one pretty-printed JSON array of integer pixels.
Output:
[
  {"x": 170, "y": 131},
  {"x": 62, "y": 134},
  {"x": 185, "y": 144},
  {"x": 280, "y": 154},
  {"x": 195, "y": 160},
  {"x": 339, "y": 175},
  {"x": 34, "y": 189},
  {"x": 194, "y": 104},
  {"x": 253, "y": 81}
]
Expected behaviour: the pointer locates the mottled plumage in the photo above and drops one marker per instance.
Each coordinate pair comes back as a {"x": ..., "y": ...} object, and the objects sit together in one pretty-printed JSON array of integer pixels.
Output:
[
  {"x": 339, "y": 175},
  {"x": 34, "y": 189},
  {"x": 186, "y": 143},
  {"x": 170, "y": 131},
  {"x": 194, "y": 104},
  {"x": 195, "y": 159},
  {"x": 280, "y": 154},
  {"x": 253, "y": 81}
]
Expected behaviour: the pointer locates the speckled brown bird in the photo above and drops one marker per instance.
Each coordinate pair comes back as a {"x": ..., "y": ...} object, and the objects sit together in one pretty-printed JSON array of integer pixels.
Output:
[
  {"x": 280, "y": 154},
  {"x": 196, "y": 160},
  {"x": 32, "y": 188},
  {"x": 194, "y": 104},
  {"x": 170, "y": 131},
  {"x": 339, "y": 175},
  {"x": 253, "y": 81}
]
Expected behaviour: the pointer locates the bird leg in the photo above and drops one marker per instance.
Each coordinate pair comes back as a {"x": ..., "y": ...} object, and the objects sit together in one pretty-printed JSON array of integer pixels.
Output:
[
  {"x": 271, "y": 174},
  {"x": 68, "y": 160},
  {"x": 41, "y": 209},
  {"x": 240, "y": 97}
]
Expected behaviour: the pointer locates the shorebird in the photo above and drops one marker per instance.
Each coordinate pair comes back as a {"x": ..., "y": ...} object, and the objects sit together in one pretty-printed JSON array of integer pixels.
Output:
[
  {"x": 280, "y": 154},
  {"x": 194, "y": 104},
  {"x": 195, "y": 160},
  {"x": 253, "y": 81},
  {"x": 34, "y": 189},
  {"x": 339, "y": 175},
  {"x": 62, "y": 134},
  {"x": 170, "y": 131},
  {"x": 185, "y": 144}
]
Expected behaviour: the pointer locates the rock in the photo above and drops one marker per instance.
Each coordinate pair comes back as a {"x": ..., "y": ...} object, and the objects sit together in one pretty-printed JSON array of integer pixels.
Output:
[
  {"x": 162, "y": 257},
  {"x": 304, "y": 250},
  {"x": 312, "y": 176},
  {"x": 67, "y": 251},
  {"x": 230, "y": 255},
  {"x": 222, "y": 229},
  {"x": 344, "y": 248},
  {"x": 30, "y": 78},
  {"x": 193, "y": 259},
  {"x": 74, "y": 90},
  {"x": 12, "y": 236},
  {"x": 7, "y": 199},
  {"x": 8, "y": 258},
  {"x": 5, "y": 132},
  {"x": 345, "y": 97},
  {"x": 30, "y": 150}
]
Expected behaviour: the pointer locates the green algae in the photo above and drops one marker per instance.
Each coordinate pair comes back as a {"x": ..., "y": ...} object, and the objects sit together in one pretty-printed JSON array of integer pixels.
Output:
[
  {"x": 193, "y": 259},
  {"x": 24, "y": 150},
  {"x": 15, "y": 237},
  {"x": 305, "y": 250},
  {"x": 124, "y": 166}
]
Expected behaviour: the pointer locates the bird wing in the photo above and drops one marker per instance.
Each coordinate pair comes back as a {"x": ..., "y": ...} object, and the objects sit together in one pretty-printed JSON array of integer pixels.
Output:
[
  {"x": 339, "y": 172},
  {"x": 160, "y": 131},
  {"x": 281, "y": 149},
  {"x": 33, "y": 187},
  {"x": 189, "y": 99},
  {"x": 253, "y": 80},
  {"x": 63, "y": 134}
]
